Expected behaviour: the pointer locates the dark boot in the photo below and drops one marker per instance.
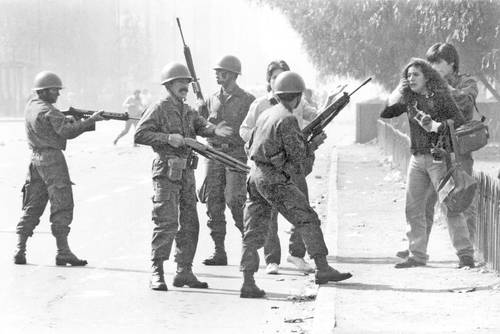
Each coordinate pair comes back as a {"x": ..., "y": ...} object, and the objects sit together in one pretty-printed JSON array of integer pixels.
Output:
[
  {"x": 185, "y": 276},
  {"x": 64, "y": 255},
  {"x": 466, "y": 261},
  {"x": 157, "y": 281},
  {"x": 325, "y": 273},
  {"x": 404, "y": 254},
  {"x": 219, "y": 258},
  {"x": 20, "y": 255},
  {"x": 249, "y": 289}
]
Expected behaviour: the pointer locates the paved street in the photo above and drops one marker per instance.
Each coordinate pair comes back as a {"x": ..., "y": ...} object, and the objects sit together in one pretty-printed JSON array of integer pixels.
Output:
[{"x": 111, "y": 229}]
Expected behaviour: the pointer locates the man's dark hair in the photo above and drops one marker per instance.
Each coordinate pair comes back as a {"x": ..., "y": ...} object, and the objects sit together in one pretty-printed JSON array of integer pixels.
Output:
[{"x": 443, "y": 51}]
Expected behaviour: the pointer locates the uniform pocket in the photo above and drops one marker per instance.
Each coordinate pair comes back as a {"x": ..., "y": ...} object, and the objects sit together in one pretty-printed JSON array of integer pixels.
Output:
[
  {"x": 159, "y": 168},
  {"x": 162, "y": 192},
  {"x": 26, "y": 193},
  {"x": 176, "y": 167}
]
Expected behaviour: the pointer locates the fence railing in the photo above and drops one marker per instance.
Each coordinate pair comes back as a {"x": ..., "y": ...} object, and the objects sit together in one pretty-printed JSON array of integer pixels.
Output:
[
  {"x": 488, "y": 224},
  {"x": 397, "y": 145}
]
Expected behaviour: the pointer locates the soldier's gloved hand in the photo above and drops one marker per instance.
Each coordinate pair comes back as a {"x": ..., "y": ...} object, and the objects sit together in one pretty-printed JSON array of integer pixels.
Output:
[
  {"x": 222, "y": 130},
  {"x": 176, "y": 140},
  {"x": 318, "y": 140},
  {"x": 97, "y": 116}
]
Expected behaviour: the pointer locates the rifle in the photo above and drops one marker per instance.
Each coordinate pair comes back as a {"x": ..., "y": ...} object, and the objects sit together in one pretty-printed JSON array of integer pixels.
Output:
[
  {"x": 189, "y": 62},
  {"x": 82, "y": 113},
  {"x": 212, "y": 154},
  {"x": 328, "y": 114}
]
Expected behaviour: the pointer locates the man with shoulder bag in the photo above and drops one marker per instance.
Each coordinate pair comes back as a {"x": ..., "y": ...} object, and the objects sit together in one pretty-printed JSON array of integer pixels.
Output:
[{"x": 471, "y": 136}]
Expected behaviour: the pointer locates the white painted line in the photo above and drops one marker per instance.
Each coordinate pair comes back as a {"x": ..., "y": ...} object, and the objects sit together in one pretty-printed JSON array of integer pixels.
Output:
[
  {"x": 122, "y": 189},
  {"x": 96, "y": 198}
]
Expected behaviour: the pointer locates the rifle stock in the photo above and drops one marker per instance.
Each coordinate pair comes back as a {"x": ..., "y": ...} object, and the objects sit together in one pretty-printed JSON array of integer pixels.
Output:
[
  {"x": 82, "y": 113},
  {"x": 328, "y": 114},
  {"x": 212, "y": 154}
]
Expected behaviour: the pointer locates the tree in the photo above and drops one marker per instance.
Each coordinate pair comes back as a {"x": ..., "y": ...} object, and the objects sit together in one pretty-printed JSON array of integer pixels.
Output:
[{"x": 367, "y": 37}]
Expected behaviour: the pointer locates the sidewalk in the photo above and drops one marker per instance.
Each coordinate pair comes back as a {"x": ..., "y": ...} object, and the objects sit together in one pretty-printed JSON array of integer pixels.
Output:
[{"x": 438, "y": 298}]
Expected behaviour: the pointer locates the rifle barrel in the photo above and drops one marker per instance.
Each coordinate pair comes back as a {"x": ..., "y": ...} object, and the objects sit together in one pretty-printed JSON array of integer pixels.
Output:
[
  {"x": 364, "y": 83},
  {"x": 180, "y": 30}
]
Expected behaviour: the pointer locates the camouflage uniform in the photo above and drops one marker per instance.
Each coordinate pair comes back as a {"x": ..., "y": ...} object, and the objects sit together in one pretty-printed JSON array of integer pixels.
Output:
[
  {"x": 304, "y": 114},
  {"x": 174, "y": 199},
  {"x": 48, "y": 179},
  {"x": 464, "y": 92},
  {"x": 223, "y": 185},
  {"x": 279, "y": 150}
]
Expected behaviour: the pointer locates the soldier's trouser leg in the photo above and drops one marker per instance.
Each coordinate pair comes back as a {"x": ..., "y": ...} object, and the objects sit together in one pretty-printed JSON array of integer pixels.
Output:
[
  {"x": 53, "y": 170},
  {"x": 35, "y": 198},
  {"x": 235, "y": 194},
  {"x": 186, "y": 239},
  {"x": 164, "y": 216},
  {"x": 258, "y": 215},
  {"x": 296, "y": 246},
  {"x": 216, "y": 203},
  {"x": 272, "y": 246},
  {"x": 291, "y": 203}
]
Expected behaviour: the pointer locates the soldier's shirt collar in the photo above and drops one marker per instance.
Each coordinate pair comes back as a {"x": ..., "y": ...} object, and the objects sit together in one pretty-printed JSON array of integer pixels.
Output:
[
  {"x": 235, "y": 90},
  {"x": 174, "y": 99}
]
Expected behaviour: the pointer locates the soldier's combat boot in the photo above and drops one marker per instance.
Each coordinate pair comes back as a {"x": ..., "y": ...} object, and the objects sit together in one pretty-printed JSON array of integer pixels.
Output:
[
  {"x": 219, "y": 258},
  {"x": 157, "y": 281},
  {"x": 185, "y": 276},
  {"x": 249, "y": 289},
  {"x": 325, "y": 273},
  {"x": 20, "y": 255},
  {"x": 65, "y": 255}
]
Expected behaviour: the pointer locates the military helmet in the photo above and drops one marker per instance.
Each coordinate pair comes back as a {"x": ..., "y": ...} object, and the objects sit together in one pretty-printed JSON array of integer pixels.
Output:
[
  {"x": 289, "y": 82},
  {"x": 46, "y": 79},
  {"x": 173, "y": 71},
  {"x": 229, "y": 63}
]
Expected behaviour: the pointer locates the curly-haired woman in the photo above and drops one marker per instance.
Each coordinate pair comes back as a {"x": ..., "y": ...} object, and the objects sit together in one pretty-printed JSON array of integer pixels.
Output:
[{"x": 424, "y": 96}]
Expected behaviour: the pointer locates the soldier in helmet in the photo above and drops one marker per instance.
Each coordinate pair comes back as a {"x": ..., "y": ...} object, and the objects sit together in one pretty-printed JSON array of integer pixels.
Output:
[
  {"x": 47, "y": 130},
  {"x": 279, "y": 150},
  {"x": 304, "y": 113},
  {"x": 164, "y": 126},
  {"x": 224, "y": 186}
]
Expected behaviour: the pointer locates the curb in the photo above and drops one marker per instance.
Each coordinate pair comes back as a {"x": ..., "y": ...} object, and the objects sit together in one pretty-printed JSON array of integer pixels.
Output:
[{"x": 324, "y": 312}]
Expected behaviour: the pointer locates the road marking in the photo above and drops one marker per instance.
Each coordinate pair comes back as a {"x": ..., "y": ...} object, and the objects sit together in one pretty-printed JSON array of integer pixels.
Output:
[
  {"x": 122, "y": 189},
  {"x": 96, "y": 198}
]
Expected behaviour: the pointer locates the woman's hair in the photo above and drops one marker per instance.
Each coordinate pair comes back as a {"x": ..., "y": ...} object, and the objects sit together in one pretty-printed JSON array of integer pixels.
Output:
[
  {"x": 434, "y": 82},
  {"x": 275, "y": 65}
]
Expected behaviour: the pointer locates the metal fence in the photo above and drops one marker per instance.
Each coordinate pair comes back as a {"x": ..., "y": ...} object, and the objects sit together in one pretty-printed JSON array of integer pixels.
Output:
[
  {"x": 396, "y": 144},
  {"x": 488, "y": 229}
]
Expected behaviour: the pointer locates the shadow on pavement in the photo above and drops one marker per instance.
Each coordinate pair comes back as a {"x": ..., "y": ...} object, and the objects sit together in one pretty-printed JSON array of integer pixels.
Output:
[
  {"x": 383, "y": 287},
  {"x": 378, "y": 260}
]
